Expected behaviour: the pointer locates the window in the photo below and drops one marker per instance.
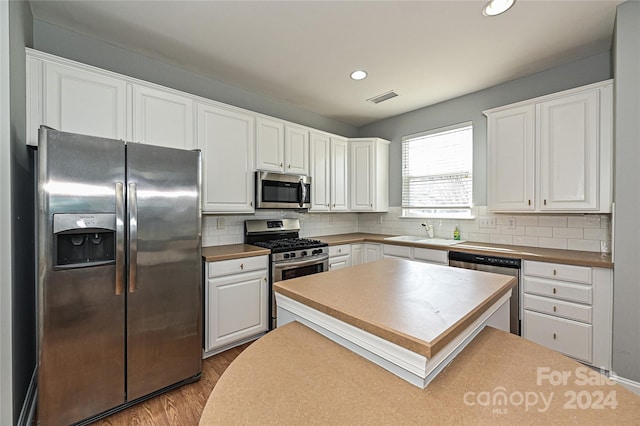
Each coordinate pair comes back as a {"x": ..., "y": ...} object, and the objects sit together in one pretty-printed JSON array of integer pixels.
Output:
[{"x": 437, "y": 176}]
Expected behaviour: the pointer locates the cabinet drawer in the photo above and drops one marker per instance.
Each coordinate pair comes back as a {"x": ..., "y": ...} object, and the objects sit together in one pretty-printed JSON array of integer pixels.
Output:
[
  {"x": 431, "y": 255},
  {"x": 340, "y": 250},
  {"x": 578, "y": 274},
  {"x": 397, "y": 251},
  {"x": 226, "y": 267},
  {"x": 558, "y": 308},
  {"x": 558, "y": 290},
  {"x": 562, "y": 335}
]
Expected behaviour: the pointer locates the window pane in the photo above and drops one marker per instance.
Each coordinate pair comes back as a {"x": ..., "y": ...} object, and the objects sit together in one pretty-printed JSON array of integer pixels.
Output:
[{"x": 437, "y": 170}]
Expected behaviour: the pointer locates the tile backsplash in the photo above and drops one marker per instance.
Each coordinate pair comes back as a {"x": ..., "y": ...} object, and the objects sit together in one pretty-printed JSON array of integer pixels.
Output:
[{"x": 586, "y": 232}]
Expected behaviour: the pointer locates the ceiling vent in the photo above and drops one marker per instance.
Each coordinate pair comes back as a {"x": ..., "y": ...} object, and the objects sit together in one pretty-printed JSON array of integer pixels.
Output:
[{"x": 383, "y": 97}]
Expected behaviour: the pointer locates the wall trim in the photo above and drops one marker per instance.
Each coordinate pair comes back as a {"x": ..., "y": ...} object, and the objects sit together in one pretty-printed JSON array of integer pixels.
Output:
[
  {"x": 28, "y": 411},
  {"x": 633, "y": 386}
]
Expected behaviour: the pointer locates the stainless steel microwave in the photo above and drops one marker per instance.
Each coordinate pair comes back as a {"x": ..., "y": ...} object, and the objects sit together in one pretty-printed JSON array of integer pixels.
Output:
[{"x": 280, "y": 191}]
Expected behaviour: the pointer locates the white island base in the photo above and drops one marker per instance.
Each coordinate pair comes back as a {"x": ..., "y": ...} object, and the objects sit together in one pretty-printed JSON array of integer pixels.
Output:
[{"x": 408, "y": 365}]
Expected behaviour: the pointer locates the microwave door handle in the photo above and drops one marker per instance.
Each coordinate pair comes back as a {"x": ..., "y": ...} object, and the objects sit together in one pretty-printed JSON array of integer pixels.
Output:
[{"x": 302, "y": 193}]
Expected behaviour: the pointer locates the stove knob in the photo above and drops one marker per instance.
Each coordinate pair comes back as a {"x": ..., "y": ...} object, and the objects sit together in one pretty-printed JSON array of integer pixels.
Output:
[
  {"x": 292, "y": 255},
  {"x": 304, "y": 253},
  {"x": 286, "y": 255}
]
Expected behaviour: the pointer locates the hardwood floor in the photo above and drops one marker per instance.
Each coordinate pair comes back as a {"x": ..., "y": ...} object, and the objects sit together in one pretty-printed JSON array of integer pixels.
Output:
[{"x": 182, "y": 406}]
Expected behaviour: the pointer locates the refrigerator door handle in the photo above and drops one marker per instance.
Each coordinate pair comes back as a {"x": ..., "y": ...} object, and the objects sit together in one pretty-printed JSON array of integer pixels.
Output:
[
  {"x": 119, "y": 238},
  {"x": 133, "y": 237}
]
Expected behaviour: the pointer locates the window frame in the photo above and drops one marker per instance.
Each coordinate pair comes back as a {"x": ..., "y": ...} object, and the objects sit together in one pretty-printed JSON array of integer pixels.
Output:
[{"x": 462, "y": 212}]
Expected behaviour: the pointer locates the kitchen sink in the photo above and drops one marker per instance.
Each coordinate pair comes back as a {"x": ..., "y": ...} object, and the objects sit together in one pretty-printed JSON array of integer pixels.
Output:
[
  {"x": 409, "y": 238},
  {"x": 422, "y": 240},
  {"x": 439, "y": 241}
]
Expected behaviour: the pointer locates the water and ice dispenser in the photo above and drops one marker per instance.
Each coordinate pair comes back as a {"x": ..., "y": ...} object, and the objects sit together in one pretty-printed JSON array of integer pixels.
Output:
[{"x": 82, "y": 240}]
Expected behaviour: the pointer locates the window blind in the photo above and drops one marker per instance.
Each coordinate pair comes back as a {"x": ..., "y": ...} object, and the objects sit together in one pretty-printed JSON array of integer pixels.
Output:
[{"x": 437, "y": 169}]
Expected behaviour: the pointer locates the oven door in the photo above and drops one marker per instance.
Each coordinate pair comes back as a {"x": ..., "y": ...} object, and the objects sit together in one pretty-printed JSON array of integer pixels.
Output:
[{"x": 288, "y": 269}]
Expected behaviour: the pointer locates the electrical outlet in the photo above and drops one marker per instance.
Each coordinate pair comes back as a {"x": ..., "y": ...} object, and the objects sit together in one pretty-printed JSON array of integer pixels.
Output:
[
  {"x": 510, "y": 222},
  {"x": 380, "y": 220},
  {"x": 221, "y": 224},
  {"x": 487, "y": 222}
]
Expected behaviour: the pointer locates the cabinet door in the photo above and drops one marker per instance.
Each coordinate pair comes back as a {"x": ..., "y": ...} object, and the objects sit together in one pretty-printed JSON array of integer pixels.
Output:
[
  {"x": 511, "y": 154},
  {"x": 162, "y": 118},
  {"x": 236, "y": 308},
  {"x": 372, "y": 252},
  {"x": 339, "y": 175},
  {"x": 81, "y": 101},
  {"x": 339, "y": 262},
  {"x": 357, "y": 254},
  {"x": 568, "y": 132},
  {"x": 269, "y": 145},
  {"x": 296, "y": 150},
  {"x": 362, "y": 176},
  {"x": 226, "y": 139},
  {"x": 319, "y": 147}
]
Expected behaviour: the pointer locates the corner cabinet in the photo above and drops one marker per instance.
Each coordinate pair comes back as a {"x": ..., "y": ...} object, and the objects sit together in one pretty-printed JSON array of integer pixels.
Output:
[
  {"x": 329, "y": 162},
  {"x": 236, "y": 302},
  {"x": 553, "y": 153},
  {"x": 369, "y": 174},
  {"x": 281, "y": 147},
  {"x": 226, "y": 139}
]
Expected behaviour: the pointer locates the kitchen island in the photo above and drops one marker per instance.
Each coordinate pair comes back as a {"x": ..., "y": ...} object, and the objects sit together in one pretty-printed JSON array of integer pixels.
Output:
[
  {"x": 294, "y": 375},
  {"x": 408, "y": 317}
]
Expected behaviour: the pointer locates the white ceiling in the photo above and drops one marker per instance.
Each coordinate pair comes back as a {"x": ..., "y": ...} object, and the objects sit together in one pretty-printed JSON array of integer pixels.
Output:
[{"x": 303, "y": 51}]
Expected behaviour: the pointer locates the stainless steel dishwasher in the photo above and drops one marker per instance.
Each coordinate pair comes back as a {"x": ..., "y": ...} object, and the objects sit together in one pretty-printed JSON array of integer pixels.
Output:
[{"x": 497, "y": 265}]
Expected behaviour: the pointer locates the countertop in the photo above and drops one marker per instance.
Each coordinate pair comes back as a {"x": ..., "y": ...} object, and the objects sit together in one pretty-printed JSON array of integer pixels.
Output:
[
  {"x": 571, "y": 257},
  {"x": 294, "y": 375},
  {"x": 418, "y": 306},
  {"x": 232, "y": 251}
]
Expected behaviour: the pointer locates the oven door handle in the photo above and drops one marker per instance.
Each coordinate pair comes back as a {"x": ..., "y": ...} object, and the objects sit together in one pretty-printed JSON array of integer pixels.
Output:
[{"x": 289, "y": 264}]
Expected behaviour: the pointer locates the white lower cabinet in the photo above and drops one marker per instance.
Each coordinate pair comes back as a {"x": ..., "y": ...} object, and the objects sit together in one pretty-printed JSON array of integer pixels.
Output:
[
  {"x": 365, "y": 253},
  {"x": 339, "y": 257},
  {"x": 235, "y": 302},
  {"x": 568, "y": 308},
  {"x": 418, "y": 254}
]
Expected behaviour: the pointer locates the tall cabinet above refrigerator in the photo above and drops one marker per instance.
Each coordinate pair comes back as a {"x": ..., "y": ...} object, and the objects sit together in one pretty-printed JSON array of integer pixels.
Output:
[{"x": 119, "y": 274}]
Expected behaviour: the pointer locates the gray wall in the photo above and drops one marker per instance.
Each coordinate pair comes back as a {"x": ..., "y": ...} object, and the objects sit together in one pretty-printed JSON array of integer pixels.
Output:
[
  {"x": 626, "y": 289},
  {"x": 23, "y": 210},
  {"x": 469, "y": 108},
  {"x": 61, "y": 42}
]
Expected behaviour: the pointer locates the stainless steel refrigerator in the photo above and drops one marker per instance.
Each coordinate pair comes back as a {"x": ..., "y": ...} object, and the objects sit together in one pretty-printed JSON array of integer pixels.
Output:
[{"x": 119, "y": 274}]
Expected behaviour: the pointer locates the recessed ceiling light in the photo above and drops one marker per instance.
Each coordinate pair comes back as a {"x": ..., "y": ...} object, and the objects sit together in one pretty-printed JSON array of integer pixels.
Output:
[
  {"x": 358, "y": 74},
  {"x": 496, "y": 7}
]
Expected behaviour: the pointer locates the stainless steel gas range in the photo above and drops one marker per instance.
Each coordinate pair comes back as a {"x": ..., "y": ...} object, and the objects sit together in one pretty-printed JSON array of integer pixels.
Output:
[{"x": 291, "y": 256}]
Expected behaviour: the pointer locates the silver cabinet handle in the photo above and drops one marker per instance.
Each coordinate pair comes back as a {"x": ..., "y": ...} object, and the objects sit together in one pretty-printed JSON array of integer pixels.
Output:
[
  {"x": 119, "y": 238},
  {"x": 133, "y": 238}
]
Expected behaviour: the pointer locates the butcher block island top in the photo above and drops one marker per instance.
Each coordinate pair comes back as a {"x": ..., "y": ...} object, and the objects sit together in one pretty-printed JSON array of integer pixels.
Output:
[{"x": 398, "y": 313}]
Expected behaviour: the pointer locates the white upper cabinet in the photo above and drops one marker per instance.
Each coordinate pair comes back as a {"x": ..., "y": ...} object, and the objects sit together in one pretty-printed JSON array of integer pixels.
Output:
[
  {"x": 161, "y": 117},
  {"x": 552, "y": 154},
  {"x": 568, "y": 129},
  {"x": 226, "y": 138},
  {"x": 339, "y": 174},
  {"x": 74, "y": 100},
  {"x": 296, "y": 150},
  {"x": 511, "y": 159},
  {"x": 329, "y": 161},
  {"x": 320, "y": 171},
  {"x": 269, "y": 145},
  {"x": 369, "y": 174},
  {"x": 281, "y": 147}
]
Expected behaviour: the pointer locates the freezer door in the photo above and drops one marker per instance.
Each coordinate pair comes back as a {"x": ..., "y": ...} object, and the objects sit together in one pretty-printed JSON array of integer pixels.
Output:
[
  {"x": 81, "y": 368},
  {"x": 164, "y": 306}
]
